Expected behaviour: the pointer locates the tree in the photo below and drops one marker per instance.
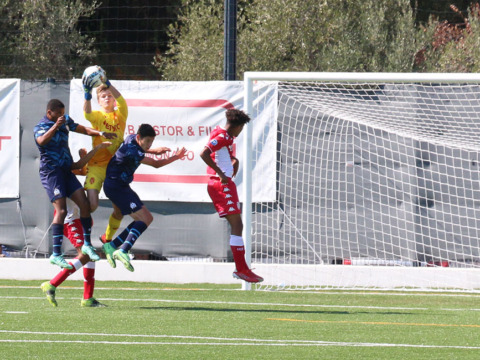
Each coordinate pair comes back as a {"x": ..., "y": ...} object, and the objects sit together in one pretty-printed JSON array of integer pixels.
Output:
[
  {"x": 454, "y": 47},
  {"x": 293, "y": 35},
  {"x": 196, "y": 43},
  {"x": 40, "y": 38}
]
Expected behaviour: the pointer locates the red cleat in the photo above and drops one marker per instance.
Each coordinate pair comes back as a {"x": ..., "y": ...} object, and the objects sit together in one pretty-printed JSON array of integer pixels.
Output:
[
  {"x": 248, "y": 276},
  {"x": 103, "y": 239}
]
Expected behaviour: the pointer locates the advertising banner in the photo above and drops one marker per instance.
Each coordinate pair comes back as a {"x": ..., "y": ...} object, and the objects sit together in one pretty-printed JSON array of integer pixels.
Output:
[
  {"x": 184, "y": 114},
  {"x": 10, "y": 138}
]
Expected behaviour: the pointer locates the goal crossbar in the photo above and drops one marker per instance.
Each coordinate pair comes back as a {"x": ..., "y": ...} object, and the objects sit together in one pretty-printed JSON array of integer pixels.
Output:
[{"x": 401, "y": 200}]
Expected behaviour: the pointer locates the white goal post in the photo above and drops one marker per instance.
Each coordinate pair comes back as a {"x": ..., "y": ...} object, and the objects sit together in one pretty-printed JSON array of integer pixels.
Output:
[{"x": 377, "y": 182}]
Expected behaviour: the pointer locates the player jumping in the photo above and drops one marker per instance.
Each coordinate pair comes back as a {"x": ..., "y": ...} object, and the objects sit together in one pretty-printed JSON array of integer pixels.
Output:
[
  {"x": 222, "y": 167},
  {"x": 117, "y": 188},
  {"x": 51, "y": 136},
  {"x": 112, "y": 117}
]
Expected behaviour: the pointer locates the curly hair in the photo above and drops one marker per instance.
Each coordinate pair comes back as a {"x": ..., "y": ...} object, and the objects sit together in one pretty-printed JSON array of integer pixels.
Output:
[{"x": 236, "y": 117}]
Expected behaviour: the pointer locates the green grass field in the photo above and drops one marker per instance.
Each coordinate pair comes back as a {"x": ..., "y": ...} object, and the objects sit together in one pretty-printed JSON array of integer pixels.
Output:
[{"x": 200, "y": 321}]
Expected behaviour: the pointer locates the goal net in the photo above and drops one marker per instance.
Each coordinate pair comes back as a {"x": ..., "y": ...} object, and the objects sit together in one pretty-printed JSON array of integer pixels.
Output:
[{"x": 377, "y": 182}]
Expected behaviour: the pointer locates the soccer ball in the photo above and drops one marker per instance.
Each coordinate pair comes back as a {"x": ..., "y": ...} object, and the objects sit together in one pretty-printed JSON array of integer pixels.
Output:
[{"x": 94, "y": 75}]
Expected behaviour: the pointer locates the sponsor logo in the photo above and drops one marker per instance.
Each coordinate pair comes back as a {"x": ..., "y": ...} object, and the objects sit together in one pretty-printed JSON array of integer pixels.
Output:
[
  {"x": 56, "y": 192},
  {"x": 92, "y": 180},
  {"x": 214, "y": 142},
  {"x": 112, "y": 128},
  {"x": 230, "y": 202},
  {"x": 132, "y": 205},
  {"x": 231, "y": 208},
  {"x": 228, "y": 196},
  {"x": 226, "y": 189}
]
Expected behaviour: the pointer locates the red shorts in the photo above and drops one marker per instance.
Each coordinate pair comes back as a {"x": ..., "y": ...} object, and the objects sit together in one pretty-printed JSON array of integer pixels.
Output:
[
  {"x": 224, "y": 197},
  {"x": 73, "y": 230}
]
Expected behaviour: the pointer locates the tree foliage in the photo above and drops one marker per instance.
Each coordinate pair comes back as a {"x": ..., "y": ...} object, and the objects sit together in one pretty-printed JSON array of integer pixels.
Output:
[
  {"x": 196, "y": 43},
  {"x": 293, "y": 35},
  {"x": 452, "y": 47},
  {"x": 40, "y": 38}
]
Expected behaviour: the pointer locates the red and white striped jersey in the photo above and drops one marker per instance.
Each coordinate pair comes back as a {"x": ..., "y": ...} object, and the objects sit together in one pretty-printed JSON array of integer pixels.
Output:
[{"x": 221, "y": 146}]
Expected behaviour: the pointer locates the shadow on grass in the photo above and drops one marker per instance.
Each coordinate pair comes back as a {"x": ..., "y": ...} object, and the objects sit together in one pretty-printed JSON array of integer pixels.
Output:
[{"x": 196, "y": 308}]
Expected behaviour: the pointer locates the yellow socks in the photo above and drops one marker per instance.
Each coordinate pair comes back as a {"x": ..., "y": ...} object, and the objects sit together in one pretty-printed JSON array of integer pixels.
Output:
[{"x": 113, "y": 225}]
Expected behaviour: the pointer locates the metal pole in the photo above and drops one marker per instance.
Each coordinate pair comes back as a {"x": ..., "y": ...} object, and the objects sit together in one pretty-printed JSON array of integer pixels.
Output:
[
  {"x": 230, "y": 40},
  {"x": 247, "y": 177}
]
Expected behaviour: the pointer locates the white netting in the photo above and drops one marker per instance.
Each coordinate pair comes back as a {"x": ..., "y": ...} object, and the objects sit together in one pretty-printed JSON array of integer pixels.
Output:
[{"x": 378, "y": 174}]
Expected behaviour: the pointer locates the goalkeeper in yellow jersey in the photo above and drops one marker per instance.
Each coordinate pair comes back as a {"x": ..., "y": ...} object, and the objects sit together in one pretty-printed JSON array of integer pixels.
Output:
[{"x": 112, "y": 118}]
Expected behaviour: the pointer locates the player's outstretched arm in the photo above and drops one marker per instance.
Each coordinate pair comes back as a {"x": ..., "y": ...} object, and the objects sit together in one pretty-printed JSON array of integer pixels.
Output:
[
  {"x": 88, "y": 156},
  {"x": 116, "y": 94},
  {"x": 92, "y": 132},
  {"x": 158, "y": 151},
  {"x": 179, "y": 154},
  {"x": 87, "y": 91}
]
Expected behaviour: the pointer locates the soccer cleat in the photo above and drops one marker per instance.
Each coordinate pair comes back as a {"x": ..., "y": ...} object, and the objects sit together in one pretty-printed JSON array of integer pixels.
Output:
[
  {"x": 60, "y": 261},
  {"x": 124, "y": 258},
  {"x": 108, "y": 249},
  {"x": 103, "y": 239},
  {"x": 90, "y": 251},
  {"x": 92, "y": 302},
  {"x": 248, "y": 276},
  {"x": 49, "y": 290}
]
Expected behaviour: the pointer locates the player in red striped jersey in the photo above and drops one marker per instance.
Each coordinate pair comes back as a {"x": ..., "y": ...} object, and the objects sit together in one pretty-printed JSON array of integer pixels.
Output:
[{"x": 222, "y": 167}]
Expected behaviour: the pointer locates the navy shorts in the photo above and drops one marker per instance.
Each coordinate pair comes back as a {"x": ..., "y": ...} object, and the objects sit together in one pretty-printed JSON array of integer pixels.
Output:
[
  {"x": 59, "y": 183},
  {"x": 122, "y": 196}
]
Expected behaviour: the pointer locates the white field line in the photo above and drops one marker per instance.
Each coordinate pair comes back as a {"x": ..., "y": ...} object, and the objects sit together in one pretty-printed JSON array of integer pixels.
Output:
[
  {"x": 211, "y": 341},
  {"x": 328, "y": 306},
  {"x": 299, "y": 292}
]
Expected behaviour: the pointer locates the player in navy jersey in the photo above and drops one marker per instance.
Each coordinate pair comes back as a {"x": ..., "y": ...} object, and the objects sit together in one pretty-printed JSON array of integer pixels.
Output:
[
  {"x": 51, "y": 136},
  {"x": 117, "y": 188},
  {"x": 222, "y": 167},
  {"x": 73, "y": 231}
]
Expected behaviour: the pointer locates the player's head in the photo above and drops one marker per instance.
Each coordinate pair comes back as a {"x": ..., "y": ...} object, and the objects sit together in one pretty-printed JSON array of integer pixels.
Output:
[
  {"x": 145, "y": 136},
  {"x": 105, "y": 98},
  {"x": 236, "y": 120},
  {"x": 55, "y": 109}
]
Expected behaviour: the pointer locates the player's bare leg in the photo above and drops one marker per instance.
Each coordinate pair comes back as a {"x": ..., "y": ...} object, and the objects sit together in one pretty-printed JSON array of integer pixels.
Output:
[{"x": 92, "y": 196}]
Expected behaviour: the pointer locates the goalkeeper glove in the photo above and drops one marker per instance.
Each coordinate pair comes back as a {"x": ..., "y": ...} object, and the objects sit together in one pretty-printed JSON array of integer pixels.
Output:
[
  {"x": 107, "y": 83},
  {"x": 87, "y": 89}
]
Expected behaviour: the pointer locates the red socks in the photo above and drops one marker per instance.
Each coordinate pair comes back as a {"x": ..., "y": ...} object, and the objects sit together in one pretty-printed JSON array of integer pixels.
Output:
[
  {"x": 239, "y": 257},
  {"x": 88, "y": 274},
  {"x": 65, "y": 273},
  {"x": 89, "y": 282}
]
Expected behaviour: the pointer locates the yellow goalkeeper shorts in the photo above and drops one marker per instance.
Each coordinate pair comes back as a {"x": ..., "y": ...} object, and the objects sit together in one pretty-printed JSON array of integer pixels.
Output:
[{"x": 95, "y": 177}]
